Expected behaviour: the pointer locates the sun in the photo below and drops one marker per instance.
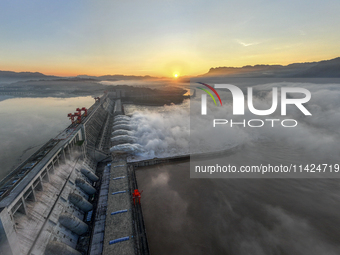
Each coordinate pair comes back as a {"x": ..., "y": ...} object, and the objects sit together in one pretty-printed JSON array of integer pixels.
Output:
[{"x": 176, "y": 75}]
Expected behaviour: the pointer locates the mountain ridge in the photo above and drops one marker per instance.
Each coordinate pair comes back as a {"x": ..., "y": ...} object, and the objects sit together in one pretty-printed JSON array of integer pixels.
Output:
[
  {"x": 324, "y": 68},
  {"x": 318, "y": 69}
]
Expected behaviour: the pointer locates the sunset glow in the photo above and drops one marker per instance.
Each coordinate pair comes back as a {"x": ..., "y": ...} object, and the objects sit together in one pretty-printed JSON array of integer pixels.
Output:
[{"x": 160, "y": 38}]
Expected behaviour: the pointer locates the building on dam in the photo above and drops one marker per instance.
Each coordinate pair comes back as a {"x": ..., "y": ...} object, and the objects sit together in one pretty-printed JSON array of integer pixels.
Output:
[{"x": 74, "y": 195}]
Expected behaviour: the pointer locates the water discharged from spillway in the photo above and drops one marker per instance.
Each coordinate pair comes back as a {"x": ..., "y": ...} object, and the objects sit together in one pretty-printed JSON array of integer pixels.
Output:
[
  {"x": 120, "y": 132},
  {"x": 119, "y": 122},
  {"x": 164, "y": 132},
  {"x": 121, "y": 117},
  {"x": 128, "y": 148},
  {"x": 121, "y": 126},
  {"x": 122, "y": 140}
]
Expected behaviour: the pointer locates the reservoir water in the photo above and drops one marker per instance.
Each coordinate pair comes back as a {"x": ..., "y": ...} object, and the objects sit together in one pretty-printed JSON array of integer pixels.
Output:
[{"x": 27, "y": 123}]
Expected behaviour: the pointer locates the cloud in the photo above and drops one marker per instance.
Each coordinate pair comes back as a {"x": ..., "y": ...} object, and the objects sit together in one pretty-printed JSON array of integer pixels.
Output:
[{"x": 246, "y": 44}]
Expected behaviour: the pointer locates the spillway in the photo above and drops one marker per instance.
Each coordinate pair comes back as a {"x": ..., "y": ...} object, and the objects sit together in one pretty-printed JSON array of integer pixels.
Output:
[
  {"x": 121, "y": 139},
  {"x": 132, "y": 149},
  {"x": 120, "y": 132},
  {"x": 122, "y": 126},
  {"x": 121, "y": 117},
  {"x": 119, "y": 122}
]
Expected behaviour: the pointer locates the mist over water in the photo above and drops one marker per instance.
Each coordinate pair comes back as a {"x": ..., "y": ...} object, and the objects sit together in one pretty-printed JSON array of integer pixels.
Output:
[
  {"x": 318, "y": 134},
  {"x": 162, "y": 131},
  {"x": 245, "y": 216},
  {"x": 238, "y": 216},
  {"x": 165, "y": 131}
]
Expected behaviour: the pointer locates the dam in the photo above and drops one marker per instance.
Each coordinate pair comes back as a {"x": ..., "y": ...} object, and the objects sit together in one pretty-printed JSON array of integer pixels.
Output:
[{"x": 74, "y": 195}]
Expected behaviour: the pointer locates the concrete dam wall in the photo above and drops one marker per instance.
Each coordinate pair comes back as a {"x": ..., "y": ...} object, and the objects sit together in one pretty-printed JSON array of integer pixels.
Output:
[{"x": 47, "y": 203}]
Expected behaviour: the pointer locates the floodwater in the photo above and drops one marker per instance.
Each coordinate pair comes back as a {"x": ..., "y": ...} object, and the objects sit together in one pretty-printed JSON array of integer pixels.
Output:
[{"x": 27, "y": 123}]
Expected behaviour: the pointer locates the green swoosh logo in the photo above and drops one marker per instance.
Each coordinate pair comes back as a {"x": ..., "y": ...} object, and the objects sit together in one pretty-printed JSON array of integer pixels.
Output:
[{"x": 209, "y": 94}]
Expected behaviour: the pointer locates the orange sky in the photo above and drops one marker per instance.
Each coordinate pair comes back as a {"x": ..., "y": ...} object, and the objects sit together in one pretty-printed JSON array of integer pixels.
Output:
[{"x": 161, "y": 38}]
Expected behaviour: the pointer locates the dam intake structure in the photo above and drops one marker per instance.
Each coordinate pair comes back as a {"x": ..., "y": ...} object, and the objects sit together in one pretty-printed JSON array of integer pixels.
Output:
[{"x": 60, "y": 200}]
